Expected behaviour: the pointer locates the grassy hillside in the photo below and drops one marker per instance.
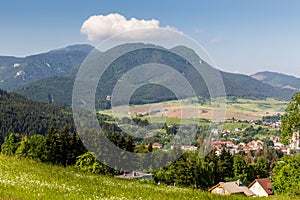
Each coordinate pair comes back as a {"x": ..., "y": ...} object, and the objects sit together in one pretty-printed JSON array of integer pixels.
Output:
[{"x": 28, "y": 179}]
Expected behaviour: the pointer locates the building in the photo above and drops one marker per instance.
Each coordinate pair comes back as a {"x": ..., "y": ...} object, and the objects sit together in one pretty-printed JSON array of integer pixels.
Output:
[
  {"x": 136, "y": 175},
  {"x": 186, "y": 148},
  {"x": 157, "y": 145},
  {"x": 228, "y": 188},
  {"x": 261, "y": 187},
  {"x": 190, "y": 148},
  {"x": 295, "y": 144},
  {"x": 255, "y": 144},
  {"x": 221, "y": 144}
]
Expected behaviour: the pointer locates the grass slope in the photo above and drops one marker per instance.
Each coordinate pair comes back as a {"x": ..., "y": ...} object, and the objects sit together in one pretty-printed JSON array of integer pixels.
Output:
[{"x": 28, "y": 179}]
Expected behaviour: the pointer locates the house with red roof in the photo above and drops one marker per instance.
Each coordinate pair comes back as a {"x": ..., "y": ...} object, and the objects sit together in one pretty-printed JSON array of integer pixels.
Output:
[
  {"x": 157, "y": 145},
  {"x": 261, "y": 187}
]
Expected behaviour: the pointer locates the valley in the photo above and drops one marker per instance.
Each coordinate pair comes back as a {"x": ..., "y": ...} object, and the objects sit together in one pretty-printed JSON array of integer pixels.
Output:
[
  {"x": 237, "y": 108},
  {"x": 39, "y": 126},
  {"x": 158, "y": 100}
]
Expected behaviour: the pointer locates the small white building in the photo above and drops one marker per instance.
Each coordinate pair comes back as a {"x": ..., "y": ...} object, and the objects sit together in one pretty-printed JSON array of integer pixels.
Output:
[
  {"x": 295, "y": 144},
  {"x": 190, "y": 148},
  {"x": 135, "y": 175}
]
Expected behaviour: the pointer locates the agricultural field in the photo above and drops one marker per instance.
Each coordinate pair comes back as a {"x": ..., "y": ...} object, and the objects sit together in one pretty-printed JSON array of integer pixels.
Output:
[
  {"x": 171, "y": 111},
  {"x": 29, "y": 179}
]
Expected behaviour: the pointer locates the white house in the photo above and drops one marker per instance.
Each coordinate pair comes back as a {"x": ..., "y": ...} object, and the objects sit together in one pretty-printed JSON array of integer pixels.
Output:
[
  {"x": 261, "y": 187},
  {"x": 191, "y": 148},
  {"x": 136, "y": 175}
]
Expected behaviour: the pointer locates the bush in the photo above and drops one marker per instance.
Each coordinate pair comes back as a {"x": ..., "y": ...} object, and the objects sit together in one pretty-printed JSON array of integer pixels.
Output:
[
  {"x": 88, "y": 162},
  {"x": 287, "y": 176},
  {"x": 11, "y": 144}
]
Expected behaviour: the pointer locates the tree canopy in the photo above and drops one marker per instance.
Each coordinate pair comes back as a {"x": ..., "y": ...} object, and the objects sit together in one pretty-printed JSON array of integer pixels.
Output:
[
  {"x": 287, "y": 176},
  {"x": 290, "y": 121}
]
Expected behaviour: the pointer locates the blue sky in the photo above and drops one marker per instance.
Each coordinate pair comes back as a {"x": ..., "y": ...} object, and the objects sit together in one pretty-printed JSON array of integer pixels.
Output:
[{"x": 241, "y": 36}]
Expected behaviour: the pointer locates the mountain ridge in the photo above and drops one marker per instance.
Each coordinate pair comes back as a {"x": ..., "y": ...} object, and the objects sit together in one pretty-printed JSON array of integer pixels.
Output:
[
  {"x": 17, "y": 71},
  {"x": 278, "y": 79},
  {"x": 60, "y": 87}
]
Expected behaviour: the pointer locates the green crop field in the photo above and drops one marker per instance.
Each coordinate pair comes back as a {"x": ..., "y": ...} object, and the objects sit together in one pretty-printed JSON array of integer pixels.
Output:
[
  {"x": 29, "y": 179},
  {"x": 243, "y": 109},
  {"x": 233, "y": 126}
]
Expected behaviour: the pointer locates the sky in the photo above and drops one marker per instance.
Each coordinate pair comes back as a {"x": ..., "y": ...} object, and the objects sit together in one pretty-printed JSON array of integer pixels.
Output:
[{"x": 240, "y": 36}]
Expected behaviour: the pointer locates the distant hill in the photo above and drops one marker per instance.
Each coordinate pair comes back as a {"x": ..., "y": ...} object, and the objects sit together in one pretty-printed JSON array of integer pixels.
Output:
[
  {"x": 15, "y": 72},
  {"x": 59, "y": 89},
  {"x": 239, "y": 85},
  {"x": 278, "y": 80},
  {"x": 21, "y": 115}
]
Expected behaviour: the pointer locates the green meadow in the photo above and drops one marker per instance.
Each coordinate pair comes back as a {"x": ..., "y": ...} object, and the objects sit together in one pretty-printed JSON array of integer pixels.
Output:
[{"x": 29, "y": 179}]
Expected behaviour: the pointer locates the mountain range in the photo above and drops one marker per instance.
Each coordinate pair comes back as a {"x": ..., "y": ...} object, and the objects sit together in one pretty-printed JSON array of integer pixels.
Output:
[
  {"x": 49, "y": 77},
  {"x": 278, "y": 80},
  {"x": 15, "y": 72}
]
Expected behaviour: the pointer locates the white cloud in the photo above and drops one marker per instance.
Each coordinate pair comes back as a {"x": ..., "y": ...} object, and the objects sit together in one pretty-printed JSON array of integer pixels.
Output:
[{"x": 100, "y": 27}]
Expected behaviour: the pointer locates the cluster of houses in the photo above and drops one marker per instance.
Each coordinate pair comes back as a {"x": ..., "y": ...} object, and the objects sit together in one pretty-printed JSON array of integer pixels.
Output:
[
  {"x": 157, "y": 145},
  {"x": 259, "y": 187},
  {"x": 276, "y": 124},
  {"x": 234, "y": 149},
  {"x": 258, "y": 144},
  {"x": 251, "y": 146}
]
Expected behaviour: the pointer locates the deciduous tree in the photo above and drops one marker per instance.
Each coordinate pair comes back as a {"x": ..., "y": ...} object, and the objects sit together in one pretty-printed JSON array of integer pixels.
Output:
[{"x": 290, "y": 121}]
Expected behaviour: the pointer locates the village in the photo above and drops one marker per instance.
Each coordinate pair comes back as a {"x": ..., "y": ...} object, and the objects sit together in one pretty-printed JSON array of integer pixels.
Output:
[{"x": 230, "y": 139}]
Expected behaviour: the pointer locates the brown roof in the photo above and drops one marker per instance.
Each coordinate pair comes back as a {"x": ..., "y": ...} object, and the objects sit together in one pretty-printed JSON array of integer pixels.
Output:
[
  {"x": 265, "y": 184},
  {"x": 234, "y": 187}
]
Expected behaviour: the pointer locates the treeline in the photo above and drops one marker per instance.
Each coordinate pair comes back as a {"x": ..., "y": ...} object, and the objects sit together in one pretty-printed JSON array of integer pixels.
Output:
[
  {"x": 57, "y": 147},
  {"x": 191, "y": 170},
  {"x": 271, "y": 118},
  {"x": 61, "y": 148},
  {"x": 20, "y": 115}
]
